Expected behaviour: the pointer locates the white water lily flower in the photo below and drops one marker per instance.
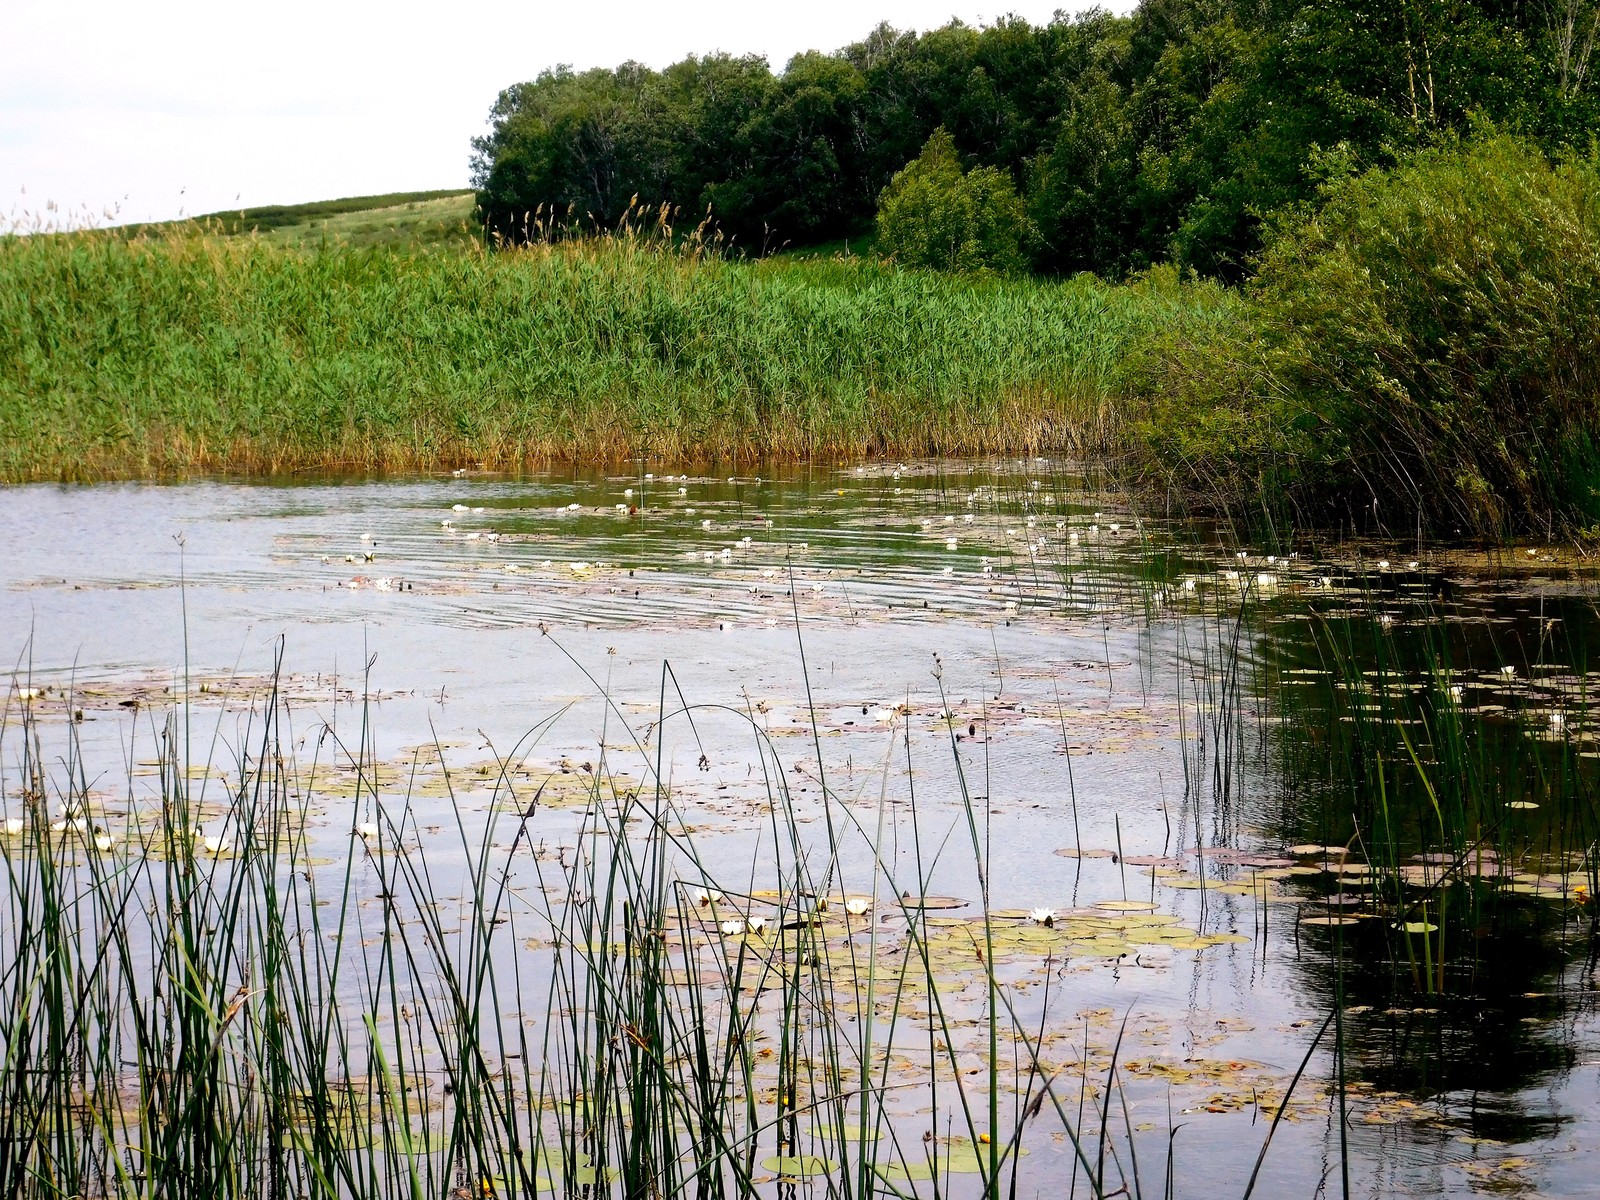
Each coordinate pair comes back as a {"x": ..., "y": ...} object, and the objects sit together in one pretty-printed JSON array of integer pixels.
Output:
[
  {"x": 703, "y": 898},
  {"x": 1508, "y": 672},
  {"x": 13, "y": 826},
  {"x": 215, "y": 844},
  {"x": 103, "y": 842},
  {"x": 1383, "y": 564},
  {"x": 1043, "y": 916},
  {"x": 857, "y": 905},
  {"x": 729, "y": 928},
  {"x": 366, "y": 831}
]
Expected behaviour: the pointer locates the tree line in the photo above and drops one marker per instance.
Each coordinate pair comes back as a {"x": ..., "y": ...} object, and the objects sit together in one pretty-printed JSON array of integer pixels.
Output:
[{"x": 1177, "y": 133}]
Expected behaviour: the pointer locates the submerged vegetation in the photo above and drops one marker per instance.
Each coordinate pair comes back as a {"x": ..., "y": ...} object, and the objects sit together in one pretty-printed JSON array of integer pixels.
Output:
[{"x": 266, "y": 959}]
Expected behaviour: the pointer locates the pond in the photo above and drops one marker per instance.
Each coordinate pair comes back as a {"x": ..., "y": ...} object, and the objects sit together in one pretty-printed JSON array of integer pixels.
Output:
[{"x": 970, "y": 811}]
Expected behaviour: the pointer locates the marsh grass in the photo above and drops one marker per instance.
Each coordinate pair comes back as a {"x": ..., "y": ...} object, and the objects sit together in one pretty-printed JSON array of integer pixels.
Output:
[
  {"x": 203, "y": 995},
  {"x": 1451, "y": 764},
  {"x": 159, "y": 355}
]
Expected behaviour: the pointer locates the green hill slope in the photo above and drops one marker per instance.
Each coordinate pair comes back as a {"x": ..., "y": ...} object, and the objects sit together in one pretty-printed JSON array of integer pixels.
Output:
[{"x": 399, "y": 219}]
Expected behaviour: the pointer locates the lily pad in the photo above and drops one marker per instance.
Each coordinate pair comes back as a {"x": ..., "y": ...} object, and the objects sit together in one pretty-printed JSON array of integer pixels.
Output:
[
  {"x": 932, "y": 902},
  {"x": 798, "y": 1166}
]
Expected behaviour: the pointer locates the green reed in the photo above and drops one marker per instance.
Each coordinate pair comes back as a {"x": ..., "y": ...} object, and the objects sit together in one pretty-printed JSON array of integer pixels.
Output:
[
  {"x": 198, "y": 999},
  {"x": 160, "y": 354}
]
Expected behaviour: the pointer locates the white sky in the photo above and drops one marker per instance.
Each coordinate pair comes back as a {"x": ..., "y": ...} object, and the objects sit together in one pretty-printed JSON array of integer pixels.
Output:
[{"x": 176, "y": 107}]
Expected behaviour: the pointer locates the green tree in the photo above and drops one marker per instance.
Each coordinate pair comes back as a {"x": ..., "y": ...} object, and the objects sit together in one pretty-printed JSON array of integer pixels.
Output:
[{"x": 935, "y": 214}]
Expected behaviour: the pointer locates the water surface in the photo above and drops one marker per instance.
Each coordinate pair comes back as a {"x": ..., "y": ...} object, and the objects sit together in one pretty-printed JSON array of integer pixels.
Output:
[{"x": 1141, "y": 713}]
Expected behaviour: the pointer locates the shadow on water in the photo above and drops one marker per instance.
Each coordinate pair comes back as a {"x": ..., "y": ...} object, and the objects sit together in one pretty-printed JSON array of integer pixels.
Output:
[{"x": 1438, "y": 726}]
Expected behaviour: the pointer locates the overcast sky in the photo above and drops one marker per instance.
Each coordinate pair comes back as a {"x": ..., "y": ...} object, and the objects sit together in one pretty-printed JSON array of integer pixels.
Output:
[{"x": 176, "y": 106}]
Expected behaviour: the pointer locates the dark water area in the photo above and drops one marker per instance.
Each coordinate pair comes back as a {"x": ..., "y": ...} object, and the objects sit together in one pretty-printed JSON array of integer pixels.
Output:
[{"x": 1251, "y": 786}]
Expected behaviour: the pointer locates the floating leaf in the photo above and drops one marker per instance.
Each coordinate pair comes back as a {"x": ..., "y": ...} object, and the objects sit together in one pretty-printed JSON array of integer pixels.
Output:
[
  {"x": 931, "y": 902},
  {"x": 798, "y": 1166}
]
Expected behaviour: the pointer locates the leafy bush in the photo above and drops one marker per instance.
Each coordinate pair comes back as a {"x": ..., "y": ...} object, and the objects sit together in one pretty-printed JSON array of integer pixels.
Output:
[
  {"x": 1422, "y": 347},
  {"x": 934, "y": 214}
]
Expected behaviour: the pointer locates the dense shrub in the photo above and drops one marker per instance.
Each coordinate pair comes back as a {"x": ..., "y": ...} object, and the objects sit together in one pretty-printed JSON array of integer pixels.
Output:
[
  {"x": 1425, "y": 345},
  {"x": 935, "y": 214}
]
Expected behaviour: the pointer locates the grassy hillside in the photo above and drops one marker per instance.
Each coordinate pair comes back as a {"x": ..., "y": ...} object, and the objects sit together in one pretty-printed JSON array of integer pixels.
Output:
[
  {"x": 396, "y": 219},
  {"x": 127, "y": 357}
]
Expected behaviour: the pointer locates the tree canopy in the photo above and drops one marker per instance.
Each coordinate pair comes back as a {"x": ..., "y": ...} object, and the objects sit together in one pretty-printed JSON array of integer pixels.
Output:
[{"x": 1174, "y": 133}]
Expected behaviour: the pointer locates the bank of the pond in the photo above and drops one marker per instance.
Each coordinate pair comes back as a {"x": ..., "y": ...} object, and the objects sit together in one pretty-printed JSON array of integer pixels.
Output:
[{"x": 200, "y": 353}]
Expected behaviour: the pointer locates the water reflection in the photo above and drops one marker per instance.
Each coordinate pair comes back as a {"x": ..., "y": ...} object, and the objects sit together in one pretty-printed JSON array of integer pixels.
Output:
[{"x": 1128, "y": 699}]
